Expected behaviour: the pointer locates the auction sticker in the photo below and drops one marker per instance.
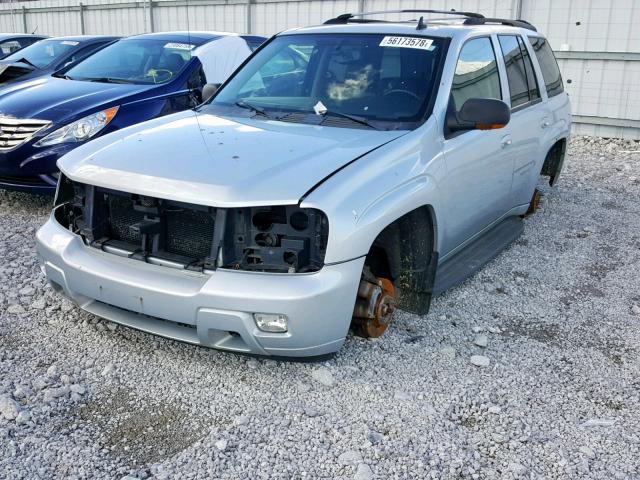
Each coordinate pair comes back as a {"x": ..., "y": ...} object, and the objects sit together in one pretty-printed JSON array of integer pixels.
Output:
[
  {"x": 407, "y": 42},
  {"x": 180, "y": 46}
]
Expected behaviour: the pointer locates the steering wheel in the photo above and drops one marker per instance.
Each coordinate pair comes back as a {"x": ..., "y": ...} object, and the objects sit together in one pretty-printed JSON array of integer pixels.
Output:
[
  {"x": 155, "y": 73},
  {"x": 396, "y": 91}
]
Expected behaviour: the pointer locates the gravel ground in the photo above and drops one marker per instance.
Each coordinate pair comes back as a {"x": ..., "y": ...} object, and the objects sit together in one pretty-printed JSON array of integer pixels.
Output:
[{"x": 529, "y": 370}]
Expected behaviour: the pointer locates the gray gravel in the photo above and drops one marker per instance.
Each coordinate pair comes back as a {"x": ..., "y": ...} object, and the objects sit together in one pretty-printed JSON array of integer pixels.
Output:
[{"x": 529, "y": 370}]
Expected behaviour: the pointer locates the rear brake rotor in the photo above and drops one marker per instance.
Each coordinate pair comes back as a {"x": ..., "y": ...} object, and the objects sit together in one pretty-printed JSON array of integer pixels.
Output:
[
  {"x": 375, "y": 305},
  {"x": 535, "y": 202}
]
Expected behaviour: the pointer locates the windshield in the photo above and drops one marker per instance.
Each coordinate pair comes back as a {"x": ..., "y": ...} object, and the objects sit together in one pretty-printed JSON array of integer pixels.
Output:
[
  {"x": 139, "y": 61},
  {"x": 382, "y": 81},
  {"x": 43, "y": 53}
]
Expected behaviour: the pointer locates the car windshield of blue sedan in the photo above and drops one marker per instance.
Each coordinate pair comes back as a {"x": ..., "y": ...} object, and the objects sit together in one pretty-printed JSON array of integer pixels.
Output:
[
  {"x": 138, "y": 61},
  {"x": 43, "y": 53},
  {"x": 350, "y": 80}
]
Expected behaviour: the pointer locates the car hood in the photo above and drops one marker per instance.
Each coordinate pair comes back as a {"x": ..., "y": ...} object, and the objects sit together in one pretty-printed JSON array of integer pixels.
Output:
[
  {"x": 59, "y": 100},
  {"x": 219, "y": 161}
]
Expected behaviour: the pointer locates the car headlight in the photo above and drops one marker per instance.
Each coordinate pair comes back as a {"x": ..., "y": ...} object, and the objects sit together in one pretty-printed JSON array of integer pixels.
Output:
[{"x": 80, "y": 130}]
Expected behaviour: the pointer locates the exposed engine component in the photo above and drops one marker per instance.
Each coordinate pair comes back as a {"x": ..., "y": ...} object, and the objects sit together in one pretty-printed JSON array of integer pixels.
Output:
[
  {"x": 375, "y": 305},
  {"x": 281, "y": 239}
]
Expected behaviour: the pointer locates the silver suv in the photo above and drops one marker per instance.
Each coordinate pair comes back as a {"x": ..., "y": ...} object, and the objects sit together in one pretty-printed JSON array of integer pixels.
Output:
[{"x": 343, "y": 170}]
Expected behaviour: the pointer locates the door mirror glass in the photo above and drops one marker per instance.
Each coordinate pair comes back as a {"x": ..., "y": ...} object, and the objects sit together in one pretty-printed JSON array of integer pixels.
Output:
[{"x": 479, "y": 114}]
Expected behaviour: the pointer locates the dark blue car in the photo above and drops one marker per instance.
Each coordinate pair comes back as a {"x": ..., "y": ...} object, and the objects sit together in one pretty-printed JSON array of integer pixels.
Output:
[
  {"x": 130, "y": 81},
  {"x": 13, "y": 42},
  {"x": 48, "y": 56}
]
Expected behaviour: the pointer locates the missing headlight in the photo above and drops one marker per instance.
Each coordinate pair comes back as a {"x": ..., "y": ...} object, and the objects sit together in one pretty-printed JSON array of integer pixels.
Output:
[
  {"x": 278, "y": 239},
  {"x": 275, "y": 239}
]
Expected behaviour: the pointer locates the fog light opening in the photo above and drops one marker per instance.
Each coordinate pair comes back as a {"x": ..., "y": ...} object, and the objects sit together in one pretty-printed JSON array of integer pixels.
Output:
[{"x": 271, "y": 322}]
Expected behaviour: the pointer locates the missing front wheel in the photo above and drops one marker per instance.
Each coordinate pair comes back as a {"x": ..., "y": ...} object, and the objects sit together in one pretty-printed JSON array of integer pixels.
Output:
[{"x": 375, "y": 305}]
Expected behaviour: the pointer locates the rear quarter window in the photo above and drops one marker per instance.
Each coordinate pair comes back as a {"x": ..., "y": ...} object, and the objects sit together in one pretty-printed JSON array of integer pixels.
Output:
[{"x": 548, "y": 65}]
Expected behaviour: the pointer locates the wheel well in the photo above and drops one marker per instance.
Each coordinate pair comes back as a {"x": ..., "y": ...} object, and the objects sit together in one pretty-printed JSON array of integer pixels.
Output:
[
  {"x": 405, "y": 253},
  {"x": 554, "y": 160}
]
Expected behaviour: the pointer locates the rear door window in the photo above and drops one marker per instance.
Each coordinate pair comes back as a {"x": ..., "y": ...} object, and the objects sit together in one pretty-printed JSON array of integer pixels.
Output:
[
  {"x": 532, "y": 81},
  {"x": 523, "y": 85},
  {"x": 548, "y": 65},
  {"x": 476, "y": 73}
]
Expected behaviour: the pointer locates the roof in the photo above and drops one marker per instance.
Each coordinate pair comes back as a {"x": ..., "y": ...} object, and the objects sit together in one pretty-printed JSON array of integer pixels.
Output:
[
  {"x": 434, "y": 28},
  {"x": 4, "y": 36},
  {"x": 84, "y": 38},
  {"x": 194, "y": 38}
]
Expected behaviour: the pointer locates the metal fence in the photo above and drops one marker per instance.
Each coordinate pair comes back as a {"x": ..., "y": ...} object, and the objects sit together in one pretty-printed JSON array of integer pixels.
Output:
[{"x": 597, "y": 43}]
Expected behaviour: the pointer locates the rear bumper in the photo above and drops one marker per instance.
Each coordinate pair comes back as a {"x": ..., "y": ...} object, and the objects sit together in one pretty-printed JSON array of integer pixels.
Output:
[{"x": 210, "y": 310}]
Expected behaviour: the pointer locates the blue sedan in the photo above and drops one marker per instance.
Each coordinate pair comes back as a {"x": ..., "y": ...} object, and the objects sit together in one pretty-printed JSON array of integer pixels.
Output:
[
  {"x": 13, "y": 42},
  {"x": 47, "y": 56},
  {"x": 130, "y": 81}
]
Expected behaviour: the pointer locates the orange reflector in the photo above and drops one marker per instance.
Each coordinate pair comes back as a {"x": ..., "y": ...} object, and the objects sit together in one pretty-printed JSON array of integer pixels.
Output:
[
  {"x": 489, "y": 126},
  {"x": 110, "y": 113}
]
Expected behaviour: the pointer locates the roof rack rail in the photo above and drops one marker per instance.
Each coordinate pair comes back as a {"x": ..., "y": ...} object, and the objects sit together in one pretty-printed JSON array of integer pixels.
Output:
[
  {"x": 346, "y": 17},
  {"x": 501, "y": 21},
  {"x": 471, "y": 18}
]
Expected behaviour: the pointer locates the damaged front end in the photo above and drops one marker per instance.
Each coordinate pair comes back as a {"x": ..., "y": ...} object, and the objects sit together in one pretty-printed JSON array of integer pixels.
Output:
[{"x": 277, "y": 239}]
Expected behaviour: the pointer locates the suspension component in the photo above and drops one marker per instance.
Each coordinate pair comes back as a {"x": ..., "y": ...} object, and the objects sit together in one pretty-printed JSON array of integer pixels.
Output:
[{"x": 375, "y": 305}]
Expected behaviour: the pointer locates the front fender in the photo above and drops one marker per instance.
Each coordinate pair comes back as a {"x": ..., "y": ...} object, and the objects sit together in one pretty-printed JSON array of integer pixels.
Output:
[{"x": 372, "y": 192}]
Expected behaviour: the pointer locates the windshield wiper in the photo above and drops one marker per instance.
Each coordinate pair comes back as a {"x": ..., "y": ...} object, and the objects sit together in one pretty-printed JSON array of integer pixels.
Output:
[
  {"x": 254, "y": 108},
  {"x": 353, "y": 118},
  {"x": 24, "y": 60},
  {"x": 106, "y": 80}
]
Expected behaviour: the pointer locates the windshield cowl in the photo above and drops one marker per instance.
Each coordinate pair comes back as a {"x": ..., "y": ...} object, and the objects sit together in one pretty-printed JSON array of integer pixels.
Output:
[{"x": 329, "y": 119}]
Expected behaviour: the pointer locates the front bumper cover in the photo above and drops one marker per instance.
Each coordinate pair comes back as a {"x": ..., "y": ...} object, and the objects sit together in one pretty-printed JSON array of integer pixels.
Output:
[
  {"x": 30, "y": 169},
  {"x": 212, "y": 310}
]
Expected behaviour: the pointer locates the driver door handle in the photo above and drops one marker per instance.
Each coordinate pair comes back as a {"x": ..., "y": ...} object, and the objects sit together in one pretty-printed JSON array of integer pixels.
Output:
[{"x": 506, "y": 141}]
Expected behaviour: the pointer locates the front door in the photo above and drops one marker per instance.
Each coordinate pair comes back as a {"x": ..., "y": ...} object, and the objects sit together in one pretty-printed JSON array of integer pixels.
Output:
[{"x": 479, "y": 165}]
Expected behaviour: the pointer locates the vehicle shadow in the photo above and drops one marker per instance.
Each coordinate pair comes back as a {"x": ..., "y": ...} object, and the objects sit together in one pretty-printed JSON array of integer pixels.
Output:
[{"x": 13, "y": 202}]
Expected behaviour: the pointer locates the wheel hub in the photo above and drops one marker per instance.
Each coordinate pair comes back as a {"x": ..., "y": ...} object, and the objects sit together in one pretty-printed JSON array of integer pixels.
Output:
[{"x": 375, "y": 306}]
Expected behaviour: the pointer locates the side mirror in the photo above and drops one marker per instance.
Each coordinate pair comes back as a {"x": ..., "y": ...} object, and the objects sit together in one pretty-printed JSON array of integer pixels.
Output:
[
  {"x": 479, "y": 114},
  {"x": 209, "y": 90}
]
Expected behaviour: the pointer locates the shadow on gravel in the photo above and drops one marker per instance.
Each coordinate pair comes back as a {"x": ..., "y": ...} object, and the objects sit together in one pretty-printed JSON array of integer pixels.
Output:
[
  {"x": 26, "y": 200},
  {"x": 139, "y": 431},
  {"x": 540, "y": 332}
]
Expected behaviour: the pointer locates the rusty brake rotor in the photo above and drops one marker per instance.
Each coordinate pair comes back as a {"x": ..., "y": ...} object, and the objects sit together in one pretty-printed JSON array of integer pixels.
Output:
[{"x": 375, "y": 305}]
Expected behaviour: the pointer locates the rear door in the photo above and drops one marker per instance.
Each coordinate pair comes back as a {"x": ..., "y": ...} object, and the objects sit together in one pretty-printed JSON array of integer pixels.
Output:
[
  {"x": 478, "y": 184},
  {"x": 557, "y": 114},
  {"x": 528, "y": 117}
]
